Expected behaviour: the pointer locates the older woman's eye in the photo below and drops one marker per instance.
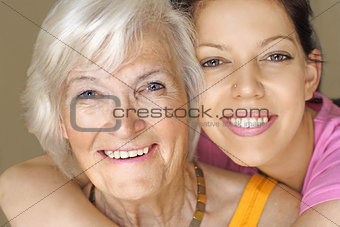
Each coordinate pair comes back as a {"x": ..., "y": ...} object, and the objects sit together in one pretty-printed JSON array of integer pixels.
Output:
[
  {"x": 88, "y": 93},
  {"x": 212, "y": 63},
  {"x": 278, "y": 57},
  {"x": 155, "y": 86}
]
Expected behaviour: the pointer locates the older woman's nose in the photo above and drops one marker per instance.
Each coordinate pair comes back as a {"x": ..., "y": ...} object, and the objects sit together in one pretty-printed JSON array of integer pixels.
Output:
[
  {"x": 131, "y": 125},
  {"x": 248, "y": 83}
]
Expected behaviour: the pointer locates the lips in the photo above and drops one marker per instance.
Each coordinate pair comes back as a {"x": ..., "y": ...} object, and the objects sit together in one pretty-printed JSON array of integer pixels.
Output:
[
  {"x": 126, "y": 155},
  {"x": 249, "y": 125}
]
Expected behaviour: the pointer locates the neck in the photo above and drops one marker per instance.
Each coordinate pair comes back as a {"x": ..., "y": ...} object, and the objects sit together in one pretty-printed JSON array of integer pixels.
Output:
[
  {"x": 291, "y": 165},
  {"x": 173, "y": 205}
]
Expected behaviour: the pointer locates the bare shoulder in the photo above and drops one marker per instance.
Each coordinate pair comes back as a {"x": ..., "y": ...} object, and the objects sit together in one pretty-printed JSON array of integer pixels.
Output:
[
  {"x": 234, "y": 182},
  {"x": 23, "y": 185},
  {"x": 40, "y": 172},
  {"x": 282, "y": 207},
  {"x": 16, "y": 177},
  {"x": 37, "y": 187},
  {"x": 224, "y": 190}
]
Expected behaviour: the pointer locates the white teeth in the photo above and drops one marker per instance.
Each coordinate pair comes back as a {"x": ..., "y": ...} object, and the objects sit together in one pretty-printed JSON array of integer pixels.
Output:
[
  {"x": 126, "y": 154},
  {"x": 248, "y": 122},
  {"x": 140, "y": 152},
  {"x": 146, "y": 150},
  {"x": 109, "y": 153},
  {"x": 265, "y": 120},
  {"x": 238, "y": 122},
  {"x": 244, "y": 123},
  {"x": 132, "y": 154},
  {"x": 116, "y": 154},
  {"x": 252, "y": 123}
]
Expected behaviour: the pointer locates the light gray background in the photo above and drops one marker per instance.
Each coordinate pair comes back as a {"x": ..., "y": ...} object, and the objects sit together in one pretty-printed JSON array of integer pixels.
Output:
[{"x": 17, "y": 35}]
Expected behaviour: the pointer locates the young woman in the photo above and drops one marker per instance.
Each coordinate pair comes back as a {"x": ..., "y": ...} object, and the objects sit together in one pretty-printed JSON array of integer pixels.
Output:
[
  {"x": 260, "y": 55},
  {"x": 142, "y": 172},
  {"x": 262, "y": 69}
]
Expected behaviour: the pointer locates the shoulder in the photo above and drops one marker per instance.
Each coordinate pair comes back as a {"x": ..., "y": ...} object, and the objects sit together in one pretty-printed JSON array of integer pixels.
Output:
[
  {"x": 229, "y": 182},
  {"x": 23, "y": 184},
  {"x": 17, "y": 176},
  {"x": 36, "y": 171},
  {"x": 224, "y": 190},
  {"x": 282, "y": 207},
  {"x": 322, "y": 181},
  {"x": 27, "y": 188}
]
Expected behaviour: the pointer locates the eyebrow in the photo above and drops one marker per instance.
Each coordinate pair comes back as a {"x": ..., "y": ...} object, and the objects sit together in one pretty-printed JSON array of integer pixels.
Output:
[
  {"x": 281, "y": 37},
  {"x": 214, "y": 45},
  {"x": 262, "y": 43},
  {"x": 81, "y": 78},
  {"x": 141, "y": 77},
  {"x": 150, "y": 73}
]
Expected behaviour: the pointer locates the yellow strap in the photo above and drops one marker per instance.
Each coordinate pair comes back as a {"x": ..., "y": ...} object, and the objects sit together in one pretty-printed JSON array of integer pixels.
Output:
[{"x": 253, "y": 200}]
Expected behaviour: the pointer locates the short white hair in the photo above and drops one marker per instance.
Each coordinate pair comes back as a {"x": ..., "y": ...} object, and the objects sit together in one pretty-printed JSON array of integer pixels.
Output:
[{"x": 100, "y": 32}]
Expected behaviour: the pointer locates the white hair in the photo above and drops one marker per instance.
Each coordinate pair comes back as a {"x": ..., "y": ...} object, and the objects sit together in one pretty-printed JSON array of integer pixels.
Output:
[{"x": 101, "y": 33}]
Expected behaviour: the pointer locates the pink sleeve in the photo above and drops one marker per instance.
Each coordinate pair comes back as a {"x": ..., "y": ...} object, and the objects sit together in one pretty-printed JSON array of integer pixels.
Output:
[{"x": 322, "y": 181}]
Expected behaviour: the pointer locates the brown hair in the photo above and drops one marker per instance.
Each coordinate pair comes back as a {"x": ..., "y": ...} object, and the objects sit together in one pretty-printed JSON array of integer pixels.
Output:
[{"x": 299, "y": 11}]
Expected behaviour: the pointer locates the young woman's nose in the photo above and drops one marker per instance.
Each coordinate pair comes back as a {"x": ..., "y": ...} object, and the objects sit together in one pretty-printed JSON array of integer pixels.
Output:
[{"x": 247, "y": 83}]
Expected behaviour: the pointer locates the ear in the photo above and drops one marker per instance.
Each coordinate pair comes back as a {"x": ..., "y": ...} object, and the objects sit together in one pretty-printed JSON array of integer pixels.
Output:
[
  {"x": 313, "y": 73},
  {"x": 62, "y": 128}
]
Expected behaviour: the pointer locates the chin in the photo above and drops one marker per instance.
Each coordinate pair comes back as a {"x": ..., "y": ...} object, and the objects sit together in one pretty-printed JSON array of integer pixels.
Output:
[
  {"x": 249, "y": 158},
  {"x": 133, "y": 192}
]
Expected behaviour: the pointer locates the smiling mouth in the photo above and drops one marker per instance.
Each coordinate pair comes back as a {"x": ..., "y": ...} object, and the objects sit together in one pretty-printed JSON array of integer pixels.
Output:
[{"x": 127, "y": 154}]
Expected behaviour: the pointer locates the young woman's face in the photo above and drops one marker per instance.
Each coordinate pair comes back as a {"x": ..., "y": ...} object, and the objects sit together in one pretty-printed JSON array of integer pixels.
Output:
[{"x": 256, "y": 74}]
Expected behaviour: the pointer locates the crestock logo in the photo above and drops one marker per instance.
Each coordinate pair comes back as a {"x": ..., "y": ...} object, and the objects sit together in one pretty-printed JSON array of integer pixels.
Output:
[
  {"x": 73, "y": 113},
  {"x": 107, "y": 107}
]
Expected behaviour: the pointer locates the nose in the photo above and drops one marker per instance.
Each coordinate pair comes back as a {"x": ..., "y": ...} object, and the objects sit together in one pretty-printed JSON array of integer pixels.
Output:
[
  {"x": 131, "y": 124},
  {"x": 248, "y": 82}
]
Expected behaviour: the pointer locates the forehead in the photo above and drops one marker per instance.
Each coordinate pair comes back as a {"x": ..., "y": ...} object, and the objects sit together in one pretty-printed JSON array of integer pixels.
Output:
[
  {"x": 242, "y": 20},
  {"x": 151, "y": 52}
]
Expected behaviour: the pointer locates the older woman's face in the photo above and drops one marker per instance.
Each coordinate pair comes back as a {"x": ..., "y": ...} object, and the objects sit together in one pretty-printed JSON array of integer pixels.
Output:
[{"x": 149, "y": 82}]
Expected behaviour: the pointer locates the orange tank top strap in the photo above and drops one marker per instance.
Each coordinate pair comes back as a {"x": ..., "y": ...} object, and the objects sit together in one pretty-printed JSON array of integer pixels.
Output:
[{"x": 252, "y": 202}]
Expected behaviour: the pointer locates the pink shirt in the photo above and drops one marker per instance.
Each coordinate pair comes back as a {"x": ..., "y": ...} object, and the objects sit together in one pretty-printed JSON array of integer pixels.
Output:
[{"x": 322, "y": 181}]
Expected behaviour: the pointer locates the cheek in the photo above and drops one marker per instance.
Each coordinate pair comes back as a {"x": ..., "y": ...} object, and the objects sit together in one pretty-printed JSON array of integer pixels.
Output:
[
  {"x": 81, "y": 144},
  {"x": 214, "y": 101},
  {"x": 289, "y": 78},
  {"x": 173, "y": 134},
  {"x": 78, "y": 140}
]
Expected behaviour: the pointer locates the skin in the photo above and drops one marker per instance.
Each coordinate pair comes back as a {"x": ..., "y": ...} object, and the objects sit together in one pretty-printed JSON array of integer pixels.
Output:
[
  {"x": 257, "y": 84},
  {"x": 149, "y": 192},
  {"x": 159, "y": 191},
  {"x": 75, "y": 209},
  {"x": 262, "y": 83},
  {"x": 71, "y": 202},
  {"x": 278, "y": 78}
]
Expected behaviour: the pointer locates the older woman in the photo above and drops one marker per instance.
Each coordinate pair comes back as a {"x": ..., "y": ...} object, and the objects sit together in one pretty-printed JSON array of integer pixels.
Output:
[{"x": 96, "y": 57}]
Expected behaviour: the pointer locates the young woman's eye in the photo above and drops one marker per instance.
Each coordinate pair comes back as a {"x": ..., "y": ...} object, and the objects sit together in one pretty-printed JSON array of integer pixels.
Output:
[
  {"x": 155, "y": 86},
  {"x": 88, "y": 93},
  {"x": 212, "y": 63},
  {"x": 278, "y": 57}
]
